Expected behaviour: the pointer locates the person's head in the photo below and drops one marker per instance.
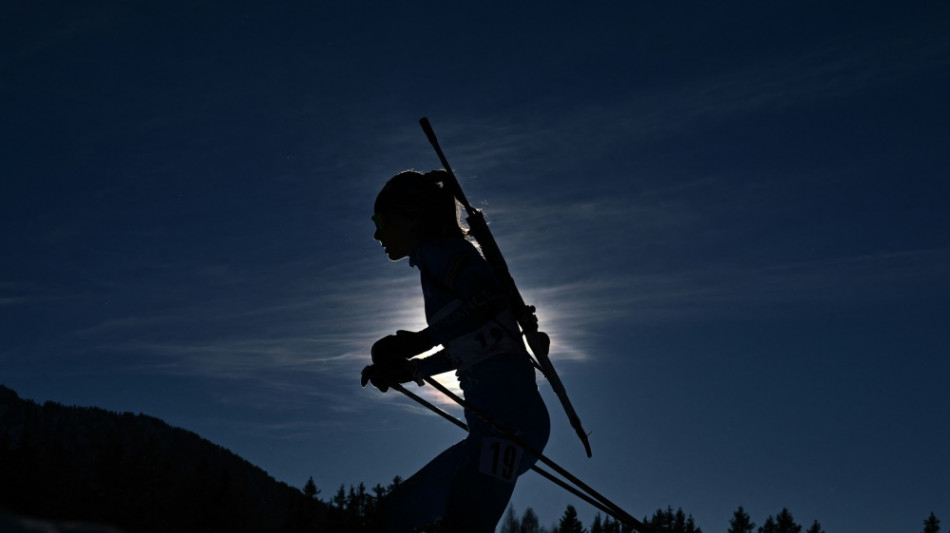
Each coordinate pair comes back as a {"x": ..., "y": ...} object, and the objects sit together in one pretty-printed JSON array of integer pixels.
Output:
[{"x": 413, "y": 206}]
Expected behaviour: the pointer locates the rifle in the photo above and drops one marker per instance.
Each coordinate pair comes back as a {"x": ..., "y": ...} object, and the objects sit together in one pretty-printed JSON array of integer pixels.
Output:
[{"x": 538, "y": 341}]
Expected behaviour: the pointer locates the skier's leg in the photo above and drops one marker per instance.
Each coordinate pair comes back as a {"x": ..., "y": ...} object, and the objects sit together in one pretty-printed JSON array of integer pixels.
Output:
[
  {"x": 481, "y": 489},
  {"x": 421, "y": 499},
  {"x": 476, "y": 501}
]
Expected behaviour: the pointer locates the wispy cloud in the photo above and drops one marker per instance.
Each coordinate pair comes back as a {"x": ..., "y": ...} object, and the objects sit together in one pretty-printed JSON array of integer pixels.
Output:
[
  {"x": 530, "y": 144},
  {"x": 571, "y": 312},
  {"x": 21, "y": 293},
  {"x": 304, "y": 344}
]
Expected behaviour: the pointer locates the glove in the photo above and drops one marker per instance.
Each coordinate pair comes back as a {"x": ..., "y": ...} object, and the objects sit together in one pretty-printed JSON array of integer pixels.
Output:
[
  {"x": 385, "y": 375},
  {"x": 402, "y": 345}
]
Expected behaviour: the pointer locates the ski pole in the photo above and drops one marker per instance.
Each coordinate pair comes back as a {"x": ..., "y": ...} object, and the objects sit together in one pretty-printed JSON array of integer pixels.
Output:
[
  {"x": 544, "y": 473},
  {"x": 618, "y": 513}
]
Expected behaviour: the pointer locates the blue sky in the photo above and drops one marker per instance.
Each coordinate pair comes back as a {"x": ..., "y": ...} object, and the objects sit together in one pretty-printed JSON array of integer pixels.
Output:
[{"x": 731, "y": 219}]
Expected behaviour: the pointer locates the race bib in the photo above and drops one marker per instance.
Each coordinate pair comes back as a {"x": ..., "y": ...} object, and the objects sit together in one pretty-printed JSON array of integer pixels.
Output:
[
  {"x": 487, "y": 341},
  {"x": 500, "y": 459}
]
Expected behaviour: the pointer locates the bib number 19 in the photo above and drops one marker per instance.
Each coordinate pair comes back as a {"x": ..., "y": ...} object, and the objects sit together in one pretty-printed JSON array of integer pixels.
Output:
[{"x": 500, "y": 458}]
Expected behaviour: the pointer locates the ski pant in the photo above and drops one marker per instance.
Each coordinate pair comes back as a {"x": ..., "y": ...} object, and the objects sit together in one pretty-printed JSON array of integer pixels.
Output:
[{"x": 469, "y": 485}]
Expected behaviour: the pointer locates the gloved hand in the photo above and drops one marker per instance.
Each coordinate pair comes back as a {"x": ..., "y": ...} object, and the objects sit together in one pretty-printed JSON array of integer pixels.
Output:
[
  {"x": 401, "y": 346},
  {"x": 384, "y": 375}
]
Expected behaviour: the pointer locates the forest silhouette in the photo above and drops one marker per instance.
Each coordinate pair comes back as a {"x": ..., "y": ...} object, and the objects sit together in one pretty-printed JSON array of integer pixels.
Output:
[{"x": 138, "y": 474}]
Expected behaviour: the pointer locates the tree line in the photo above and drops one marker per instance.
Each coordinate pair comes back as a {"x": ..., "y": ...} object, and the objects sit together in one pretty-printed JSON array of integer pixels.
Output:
[{"x": 351, "y": 510}]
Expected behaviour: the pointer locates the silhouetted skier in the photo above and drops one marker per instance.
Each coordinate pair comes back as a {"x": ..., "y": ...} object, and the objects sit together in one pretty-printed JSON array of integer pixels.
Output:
[{"x": 468, "y": 486}]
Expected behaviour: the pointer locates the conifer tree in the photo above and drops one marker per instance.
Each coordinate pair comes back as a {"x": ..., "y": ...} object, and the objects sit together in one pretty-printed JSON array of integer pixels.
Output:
[
  {"x": 611, "y": 525},
  {"x": 396, "y": 481},
  {"x": 815, "y": 528},
  {"x": 785, "y": 523},
  {"x": 379, "y": 491},
  {"x": 530, "y": 522},
  {"x": 769, "y": 526},
  {"x": 931, "y": 524},
  {"x": 597, "y": 526},
  {"x": 662, "y": 521},
  {"x": 339, "y": 500},
  {"x": 691, "y": 525},
  {"x": 510, "y": 523},
  {"x": 672, "y": 522},
  {"x": 569, "y": 522},
  {"x": 310, "y": 489},
  {"x": 741, "y": 522},
  {"x": 679, "y": 521}
]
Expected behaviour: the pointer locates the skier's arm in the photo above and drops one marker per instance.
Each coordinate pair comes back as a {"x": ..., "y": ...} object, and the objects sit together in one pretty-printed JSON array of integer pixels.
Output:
[
  {"x": 478, "y": 299},
  {"x": 436, "y": 363}
]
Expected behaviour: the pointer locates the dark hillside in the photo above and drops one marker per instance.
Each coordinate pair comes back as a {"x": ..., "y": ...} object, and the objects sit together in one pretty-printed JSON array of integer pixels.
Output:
[{"x": 137, "y": 473}]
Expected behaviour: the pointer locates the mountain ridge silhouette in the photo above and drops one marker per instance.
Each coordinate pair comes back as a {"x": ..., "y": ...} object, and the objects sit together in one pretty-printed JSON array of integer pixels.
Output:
[{"x": 136, "y": 473}]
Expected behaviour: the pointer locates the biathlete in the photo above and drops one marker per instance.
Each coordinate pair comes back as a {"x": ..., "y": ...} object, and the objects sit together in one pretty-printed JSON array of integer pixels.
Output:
[{"x": 467, "y": 487}]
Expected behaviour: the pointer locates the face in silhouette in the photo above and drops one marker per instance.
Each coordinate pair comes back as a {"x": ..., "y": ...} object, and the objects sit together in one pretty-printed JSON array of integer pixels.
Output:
[{"x": 398, "y": 234}]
